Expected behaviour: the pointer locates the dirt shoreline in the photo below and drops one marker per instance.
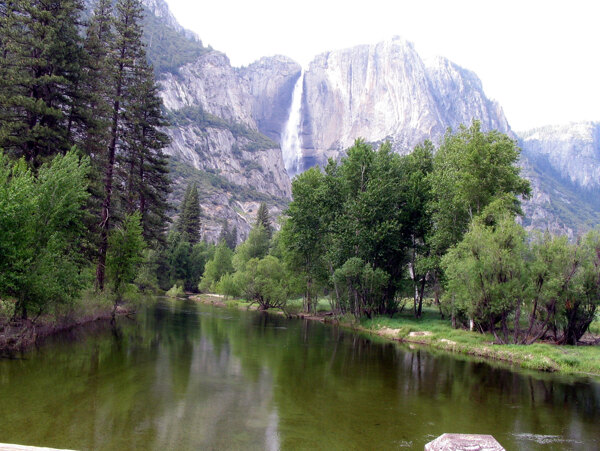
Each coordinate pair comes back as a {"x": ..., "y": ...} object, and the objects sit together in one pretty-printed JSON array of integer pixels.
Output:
[
  {"x": 489, "y": 351},
  {"x": 21, "y": 335}
]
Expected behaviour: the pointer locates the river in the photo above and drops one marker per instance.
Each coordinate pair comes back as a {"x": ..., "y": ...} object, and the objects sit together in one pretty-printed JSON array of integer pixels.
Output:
[{"x": 189, "y": 376}]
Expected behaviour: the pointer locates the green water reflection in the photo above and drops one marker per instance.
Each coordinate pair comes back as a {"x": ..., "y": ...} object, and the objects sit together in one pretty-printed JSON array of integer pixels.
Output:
[{"x": 185, "y": 376}]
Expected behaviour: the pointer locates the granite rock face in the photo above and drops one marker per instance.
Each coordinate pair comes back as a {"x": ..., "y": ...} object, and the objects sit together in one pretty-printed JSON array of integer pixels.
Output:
[
  {"x": 212, "y": 84},
  {"x": 387, "y": 92},
  {"x": 270, "y": 82},
  {"x": 215, "y": 132},
  {"x": 573, "y": 150},
  {"x": 563, "y": 165},
  {"x": 227, "y": 125}
]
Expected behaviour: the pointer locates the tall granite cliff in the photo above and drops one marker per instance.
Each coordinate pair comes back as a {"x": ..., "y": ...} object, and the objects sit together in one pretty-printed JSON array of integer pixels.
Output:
[
  {"x": 573, "y": 150},
  {"x": 215, "y": 111},
  {"x": 563, "y": 163},
  {"x": 270, "y": 82},
  {"x": 227, "y": 123},
  {"x": 387, "y": 92}
]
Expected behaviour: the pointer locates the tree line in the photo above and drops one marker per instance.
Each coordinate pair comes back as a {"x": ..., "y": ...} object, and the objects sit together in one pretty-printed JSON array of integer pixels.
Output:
[
  {"x": 85, "y": 177},
  {"x": 377, "y": 226}
]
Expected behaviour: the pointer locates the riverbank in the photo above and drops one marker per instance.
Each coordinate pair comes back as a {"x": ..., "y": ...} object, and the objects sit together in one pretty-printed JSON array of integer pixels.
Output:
[
  {"x": 19, "y": 335},
  {"x": 436, "y": 333}
]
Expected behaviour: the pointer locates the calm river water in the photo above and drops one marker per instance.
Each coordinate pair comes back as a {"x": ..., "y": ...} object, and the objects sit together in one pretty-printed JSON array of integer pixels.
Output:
[{"x": 187, "y": 376}]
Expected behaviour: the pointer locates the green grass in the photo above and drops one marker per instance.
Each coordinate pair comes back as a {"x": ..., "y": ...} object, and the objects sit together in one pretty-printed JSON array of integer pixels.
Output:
[
  {"x": 294, "y": 306},
  {"x": 539, "y": 356}
]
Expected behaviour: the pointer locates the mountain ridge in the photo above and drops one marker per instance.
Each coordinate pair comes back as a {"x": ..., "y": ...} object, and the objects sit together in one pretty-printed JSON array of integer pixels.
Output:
[{"x": 227, "y": 121}]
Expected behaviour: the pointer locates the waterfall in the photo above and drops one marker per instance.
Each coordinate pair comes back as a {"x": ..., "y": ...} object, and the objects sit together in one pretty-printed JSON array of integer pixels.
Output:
[{"x": 290, "y": 138}]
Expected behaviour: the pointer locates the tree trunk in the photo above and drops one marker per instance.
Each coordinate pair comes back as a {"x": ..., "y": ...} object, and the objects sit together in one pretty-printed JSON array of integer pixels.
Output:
[
  {"x": 422, "y": 291},
  {"x": 108, "y": 182}
]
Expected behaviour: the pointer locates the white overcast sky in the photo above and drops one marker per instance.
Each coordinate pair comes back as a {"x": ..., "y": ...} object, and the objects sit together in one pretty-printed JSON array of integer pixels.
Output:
[{"x": 539, "y": 59}]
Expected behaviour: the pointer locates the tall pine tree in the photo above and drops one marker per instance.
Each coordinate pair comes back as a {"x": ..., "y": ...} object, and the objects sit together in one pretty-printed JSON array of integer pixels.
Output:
[
  {"x": 189, "y": 219},
  {"x": 144, "y": 164},
  {"x": 40, "y": 64},
  {"x": 125, "y": 55},
  {"x": 96, "y": 82},
  {"x": 263, "y": 219}
]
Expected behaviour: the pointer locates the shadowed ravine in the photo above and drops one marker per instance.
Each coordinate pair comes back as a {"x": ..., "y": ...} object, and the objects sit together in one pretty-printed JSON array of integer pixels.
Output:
[{"x": 187, "y": 376}]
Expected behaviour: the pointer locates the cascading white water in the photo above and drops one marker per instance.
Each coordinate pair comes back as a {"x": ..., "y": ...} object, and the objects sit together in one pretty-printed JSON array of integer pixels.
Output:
[{"x": 290, "y": 138}]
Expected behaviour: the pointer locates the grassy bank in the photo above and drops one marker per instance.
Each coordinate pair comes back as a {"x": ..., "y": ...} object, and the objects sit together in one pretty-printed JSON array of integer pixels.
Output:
[
  {"x": 434, "y": 332},
  {"x": 439, "y": 334},
  {"x": 17, "y": 335}
]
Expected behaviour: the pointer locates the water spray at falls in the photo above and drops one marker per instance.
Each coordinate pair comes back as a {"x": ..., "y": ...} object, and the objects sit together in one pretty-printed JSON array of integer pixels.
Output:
[{"x": 290, "y": 138}]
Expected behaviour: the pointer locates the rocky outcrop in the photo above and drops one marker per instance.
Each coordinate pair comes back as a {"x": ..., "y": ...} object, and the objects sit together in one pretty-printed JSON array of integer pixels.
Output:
[
  {"x": 542, "y": 210},
  {"x": 212, "y": 108},
  {"x": 212, "y": 84},
  {"x": 161, "y": 10},
  {"x": 563, "y": 165},
  {"x": 270, "y": 82},
  {"x": 232, "y": 157},
  {"x": 387, "y": 92},
  {"x": 573, "y": 150}
]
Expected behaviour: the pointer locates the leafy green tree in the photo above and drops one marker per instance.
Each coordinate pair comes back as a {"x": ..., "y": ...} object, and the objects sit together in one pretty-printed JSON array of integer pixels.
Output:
[
  {"x": 471, "y": 169},
  {"x": 228, "y": 285},
  {"x": 42, "y": 232},
  {"x": 266, "y": 282},
  {"x": 581, "y": 310},
  {"x": 363, "y": 287},
  {"x": 302, "y": 235},
  {"x": 40, "y": 64},
  {"x": 565, "y": 288},
  {"x": 487, "y": 276},
  {"x": 217, "y": 267},
  {"x": 125, "y": 253},
  {"x": 553, "y": 265},
  {"x": 376, "y": 207},
  {"x": 357, "y": 209},
  {"x": 255, "y": 246},
  {"x": 418, "y": 166}
]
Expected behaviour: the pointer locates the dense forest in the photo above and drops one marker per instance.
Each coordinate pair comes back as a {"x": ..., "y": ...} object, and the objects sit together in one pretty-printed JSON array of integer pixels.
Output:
[
  {"x": 84, "y": 176},
  {"x": 84, "y": 185}
]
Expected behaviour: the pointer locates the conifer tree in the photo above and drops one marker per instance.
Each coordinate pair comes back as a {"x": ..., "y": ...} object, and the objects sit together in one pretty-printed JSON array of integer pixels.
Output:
[
  {"x": 145, "y": 165},
  {"x": 189, "y": 219},
  {"x": 263, "y": 218},
  {"x": 126, "y": 53},
  {"x": 40, "y": 63},
  {"x": 92, "y": 126},
  {"x": 227, "y": 235},
  {"x": 96, "y": 83}
]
